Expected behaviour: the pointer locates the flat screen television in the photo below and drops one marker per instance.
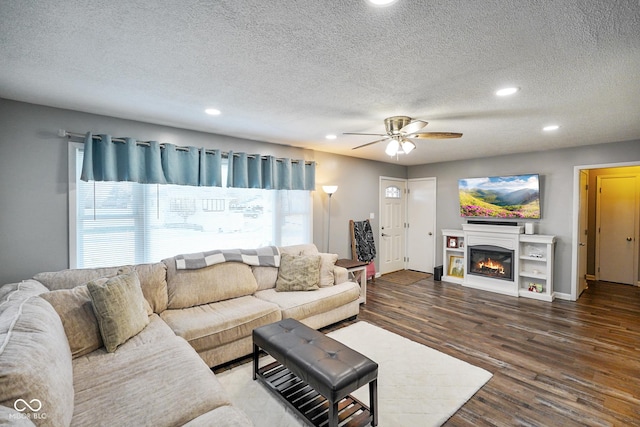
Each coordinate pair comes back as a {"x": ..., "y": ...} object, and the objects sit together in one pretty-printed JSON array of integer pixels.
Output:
[{"x": 500, "y": 197}]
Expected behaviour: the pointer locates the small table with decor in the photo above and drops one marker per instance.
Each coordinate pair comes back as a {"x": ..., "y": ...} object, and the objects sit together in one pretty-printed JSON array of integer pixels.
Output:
[{"x": 358, "y": 271}]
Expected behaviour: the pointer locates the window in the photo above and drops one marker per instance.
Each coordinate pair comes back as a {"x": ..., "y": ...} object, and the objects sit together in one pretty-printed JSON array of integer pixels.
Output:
[
  {"x": 392, "y": 192},
  {"x": 117, "y": 223}
]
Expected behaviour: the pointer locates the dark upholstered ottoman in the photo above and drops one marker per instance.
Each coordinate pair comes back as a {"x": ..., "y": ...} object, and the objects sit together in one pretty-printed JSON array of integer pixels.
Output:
[{"x": 314, "y": 374}]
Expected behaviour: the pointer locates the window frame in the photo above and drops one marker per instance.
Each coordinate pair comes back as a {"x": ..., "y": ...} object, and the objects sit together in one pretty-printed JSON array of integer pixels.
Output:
[{"x": 73, "y": 220}]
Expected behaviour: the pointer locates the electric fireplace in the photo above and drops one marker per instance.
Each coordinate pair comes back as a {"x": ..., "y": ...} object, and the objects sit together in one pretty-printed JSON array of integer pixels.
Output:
[{"x": 490, "y": 261}]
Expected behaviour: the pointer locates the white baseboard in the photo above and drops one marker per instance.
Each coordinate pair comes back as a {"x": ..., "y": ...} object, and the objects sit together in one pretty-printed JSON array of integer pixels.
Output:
[{"x": 563, "y": 296}]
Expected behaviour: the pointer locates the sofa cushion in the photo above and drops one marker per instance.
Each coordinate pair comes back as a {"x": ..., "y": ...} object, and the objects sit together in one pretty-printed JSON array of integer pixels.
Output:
[
  {"x": 152, "y": 280},
  {"x": 212, "y": 325},
  {"x": 265, "y": 276},
  {"x": 300, "y": 305},
  {"x": 67, "y": 279},
  {"x": 119, "y": 306},
  {"x": 35, "y": 360},
  {"x": 189, "y": 288},
  {"x": 298, "y": 273},
  {"x": 327, "y": 264},
  {"x": 76, "y": 312},
  {"x": 302, "y": 249},
  {"x": 154, "y": 379}
]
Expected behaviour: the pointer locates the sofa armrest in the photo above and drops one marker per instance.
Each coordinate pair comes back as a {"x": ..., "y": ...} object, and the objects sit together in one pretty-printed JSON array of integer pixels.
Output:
[{"x": 340, "y": 275}]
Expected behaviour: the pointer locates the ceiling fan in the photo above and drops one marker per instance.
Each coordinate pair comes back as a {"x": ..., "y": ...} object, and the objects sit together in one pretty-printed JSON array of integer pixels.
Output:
[{"x": 400, "y": 131}]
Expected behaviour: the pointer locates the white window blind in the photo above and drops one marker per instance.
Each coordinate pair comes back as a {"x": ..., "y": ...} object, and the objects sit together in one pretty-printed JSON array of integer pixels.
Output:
[{"x": 118, "y": 223}]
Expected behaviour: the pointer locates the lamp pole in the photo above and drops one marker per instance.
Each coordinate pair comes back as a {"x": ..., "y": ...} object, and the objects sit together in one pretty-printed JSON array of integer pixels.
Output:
[{"x": 329, "y": 225}]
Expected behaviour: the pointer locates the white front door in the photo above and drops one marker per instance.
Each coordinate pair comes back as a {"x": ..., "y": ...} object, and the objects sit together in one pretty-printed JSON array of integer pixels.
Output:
[
  {"x": 421, "y": 228},
  {"x": 616, "y": 211},
  {"x": 582, "y": 230},
  {"x": 392, "y": 220}
]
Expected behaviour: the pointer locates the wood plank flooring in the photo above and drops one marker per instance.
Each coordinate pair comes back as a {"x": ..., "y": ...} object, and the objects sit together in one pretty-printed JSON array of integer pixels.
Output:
[{"x": 554, "y": 364}]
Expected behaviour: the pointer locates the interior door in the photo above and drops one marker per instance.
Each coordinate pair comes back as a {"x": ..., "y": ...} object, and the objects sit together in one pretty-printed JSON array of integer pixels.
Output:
[
  {"x": 421, "y": 220},
  {"x": 582, "y": 228},
  {"x": 392, "y": 220},
  {"x": 616, "y": 208}
]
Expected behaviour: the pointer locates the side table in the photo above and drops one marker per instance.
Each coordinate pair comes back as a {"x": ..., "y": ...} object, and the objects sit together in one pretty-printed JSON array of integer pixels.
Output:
[{"x": 358, "y": 271}]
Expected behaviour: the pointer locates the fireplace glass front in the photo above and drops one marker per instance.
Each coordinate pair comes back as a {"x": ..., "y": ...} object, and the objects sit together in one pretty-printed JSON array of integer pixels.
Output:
[{"x": 491, "y": 261}]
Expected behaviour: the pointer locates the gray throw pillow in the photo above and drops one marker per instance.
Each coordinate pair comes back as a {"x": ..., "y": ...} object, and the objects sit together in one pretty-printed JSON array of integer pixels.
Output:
[
  {"x": 119, "y": 307},
  {"x": 298, "y": 273}
]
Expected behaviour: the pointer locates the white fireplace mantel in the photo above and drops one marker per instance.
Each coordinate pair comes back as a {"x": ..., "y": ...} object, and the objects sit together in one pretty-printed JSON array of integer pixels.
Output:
[{"x": 531, "y": 271}]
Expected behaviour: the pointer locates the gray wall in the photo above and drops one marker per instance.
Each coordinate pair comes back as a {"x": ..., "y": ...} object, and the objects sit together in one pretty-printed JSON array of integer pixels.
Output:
[
  {"x": 556, "y": 169},
  {"x": 34, "y": 176}
]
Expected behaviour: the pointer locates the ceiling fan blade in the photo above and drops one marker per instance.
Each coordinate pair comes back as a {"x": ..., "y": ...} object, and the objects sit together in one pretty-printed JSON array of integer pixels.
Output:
[
  {"x": 413, "y": 127},
  {"x": 369, "y": 143},
  {"x": 357, "y": 133},
  {"x": 434, "y": 135}
]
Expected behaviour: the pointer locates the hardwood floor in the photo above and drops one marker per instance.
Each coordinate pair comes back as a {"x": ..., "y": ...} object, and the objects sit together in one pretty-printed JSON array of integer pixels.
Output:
[{"x": 554, "y": 364}]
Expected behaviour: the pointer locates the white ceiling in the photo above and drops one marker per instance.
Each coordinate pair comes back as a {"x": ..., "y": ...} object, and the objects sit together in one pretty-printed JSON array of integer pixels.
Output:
[{"x": 292, "y": 71}]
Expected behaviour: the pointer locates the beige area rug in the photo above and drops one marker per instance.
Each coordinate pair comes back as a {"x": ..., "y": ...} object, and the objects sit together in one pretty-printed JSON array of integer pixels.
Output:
[
  {"x": 417, "y": 386},
  {"x": 405, "y": 277}
]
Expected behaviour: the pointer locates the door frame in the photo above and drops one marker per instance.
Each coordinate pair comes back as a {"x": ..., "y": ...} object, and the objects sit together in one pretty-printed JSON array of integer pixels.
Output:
[
  {"x": 380, "y": 202},
  {"x": 573, "y": 296}
]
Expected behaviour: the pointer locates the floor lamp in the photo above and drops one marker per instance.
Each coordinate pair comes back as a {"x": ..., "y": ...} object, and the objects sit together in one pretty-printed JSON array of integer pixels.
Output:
[{"x": 329, "y": 189}]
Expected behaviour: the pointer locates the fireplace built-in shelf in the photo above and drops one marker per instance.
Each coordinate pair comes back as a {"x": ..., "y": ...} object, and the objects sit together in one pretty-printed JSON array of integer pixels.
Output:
[{"x": 500, "y": 259}]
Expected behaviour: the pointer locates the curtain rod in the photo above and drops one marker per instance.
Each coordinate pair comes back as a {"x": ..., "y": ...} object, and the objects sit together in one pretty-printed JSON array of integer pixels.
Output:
[{"x": 63, "y": 133}]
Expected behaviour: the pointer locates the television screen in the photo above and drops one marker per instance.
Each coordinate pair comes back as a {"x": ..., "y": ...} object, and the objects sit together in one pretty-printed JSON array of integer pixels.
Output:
[{"x": 500, "y": 197}]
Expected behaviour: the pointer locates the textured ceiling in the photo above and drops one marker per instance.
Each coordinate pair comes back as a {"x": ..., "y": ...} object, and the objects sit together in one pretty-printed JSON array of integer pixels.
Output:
[{"x": 292, "y": 71}]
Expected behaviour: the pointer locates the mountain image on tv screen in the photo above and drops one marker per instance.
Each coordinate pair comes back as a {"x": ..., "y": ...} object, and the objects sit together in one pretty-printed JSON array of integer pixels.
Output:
[{"x": 500, "y": 197}]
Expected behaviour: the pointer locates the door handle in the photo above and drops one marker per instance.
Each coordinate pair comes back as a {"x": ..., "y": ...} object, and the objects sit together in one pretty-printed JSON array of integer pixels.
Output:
[
  {"x": 430, "y": 234},
  {"x": 582, "y": 244},
  {"x": 385, "y": 235},
  {"x": 629, "y": 239}
]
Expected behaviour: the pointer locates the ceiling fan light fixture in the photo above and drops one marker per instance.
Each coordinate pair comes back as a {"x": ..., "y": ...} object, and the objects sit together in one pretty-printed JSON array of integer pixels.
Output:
[
  {"x": 408, "y": 146},
  {"x": 392, "y": 148}
]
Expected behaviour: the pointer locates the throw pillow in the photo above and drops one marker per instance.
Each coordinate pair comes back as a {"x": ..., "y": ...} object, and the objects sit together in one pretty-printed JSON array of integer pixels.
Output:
[
  {"x": 119, "y": 307},
  {"x": 327, "y": 263},
  {"x": 298, "y": 273},
  {"x": 78, "y": 319}
]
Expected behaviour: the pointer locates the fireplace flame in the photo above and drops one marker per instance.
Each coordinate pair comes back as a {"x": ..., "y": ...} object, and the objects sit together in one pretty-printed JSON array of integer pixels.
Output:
[{"x": 493, "y": 266}]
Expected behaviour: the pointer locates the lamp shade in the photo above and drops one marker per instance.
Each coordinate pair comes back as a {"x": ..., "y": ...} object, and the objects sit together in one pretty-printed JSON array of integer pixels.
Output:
[
  {"x": 408, "y": 146},
  {"x": 392, "y": 147},
  {"x": 330, "y": 189}
]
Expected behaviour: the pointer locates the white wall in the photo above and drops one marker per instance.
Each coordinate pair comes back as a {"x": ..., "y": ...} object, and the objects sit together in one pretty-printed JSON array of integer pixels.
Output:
[
  {"x": 34, "y": 183},
  {"x": 556, "y": 173}
]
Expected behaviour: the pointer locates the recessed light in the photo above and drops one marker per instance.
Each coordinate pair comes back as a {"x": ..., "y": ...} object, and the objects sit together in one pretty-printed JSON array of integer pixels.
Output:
[
  {"x": 381, "y": 2},
  {"x": 507, "y": 91},
  {"x": 212, "y": 111},
  {"x": 550, "y": 128},
  {"x": 331, "y": 136}
]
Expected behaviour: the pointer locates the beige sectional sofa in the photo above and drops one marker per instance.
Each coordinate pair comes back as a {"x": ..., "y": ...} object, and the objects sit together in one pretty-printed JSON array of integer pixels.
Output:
[{"x": 56, "y": 371}]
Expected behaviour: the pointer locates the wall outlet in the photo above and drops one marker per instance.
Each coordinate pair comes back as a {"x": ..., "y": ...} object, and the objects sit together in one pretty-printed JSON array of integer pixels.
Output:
[{"x": 372, "y": 215}]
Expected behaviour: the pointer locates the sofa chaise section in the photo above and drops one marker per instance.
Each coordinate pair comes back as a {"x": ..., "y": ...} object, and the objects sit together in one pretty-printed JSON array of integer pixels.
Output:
[{"x": 153, "y": 379}]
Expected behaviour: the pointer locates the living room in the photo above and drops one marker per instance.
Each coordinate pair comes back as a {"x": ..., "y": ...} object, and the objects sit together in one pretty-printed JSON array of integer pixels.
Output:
[{"x": 34, "y": 159}]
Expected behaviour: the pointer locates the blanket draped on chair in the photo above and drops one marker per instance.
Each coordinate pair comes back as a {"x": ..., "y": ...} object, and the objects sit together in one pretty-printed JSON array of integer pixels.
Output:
[
  {"x": 268, "y": 256},
  {"x": 365, "y": 246}
]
